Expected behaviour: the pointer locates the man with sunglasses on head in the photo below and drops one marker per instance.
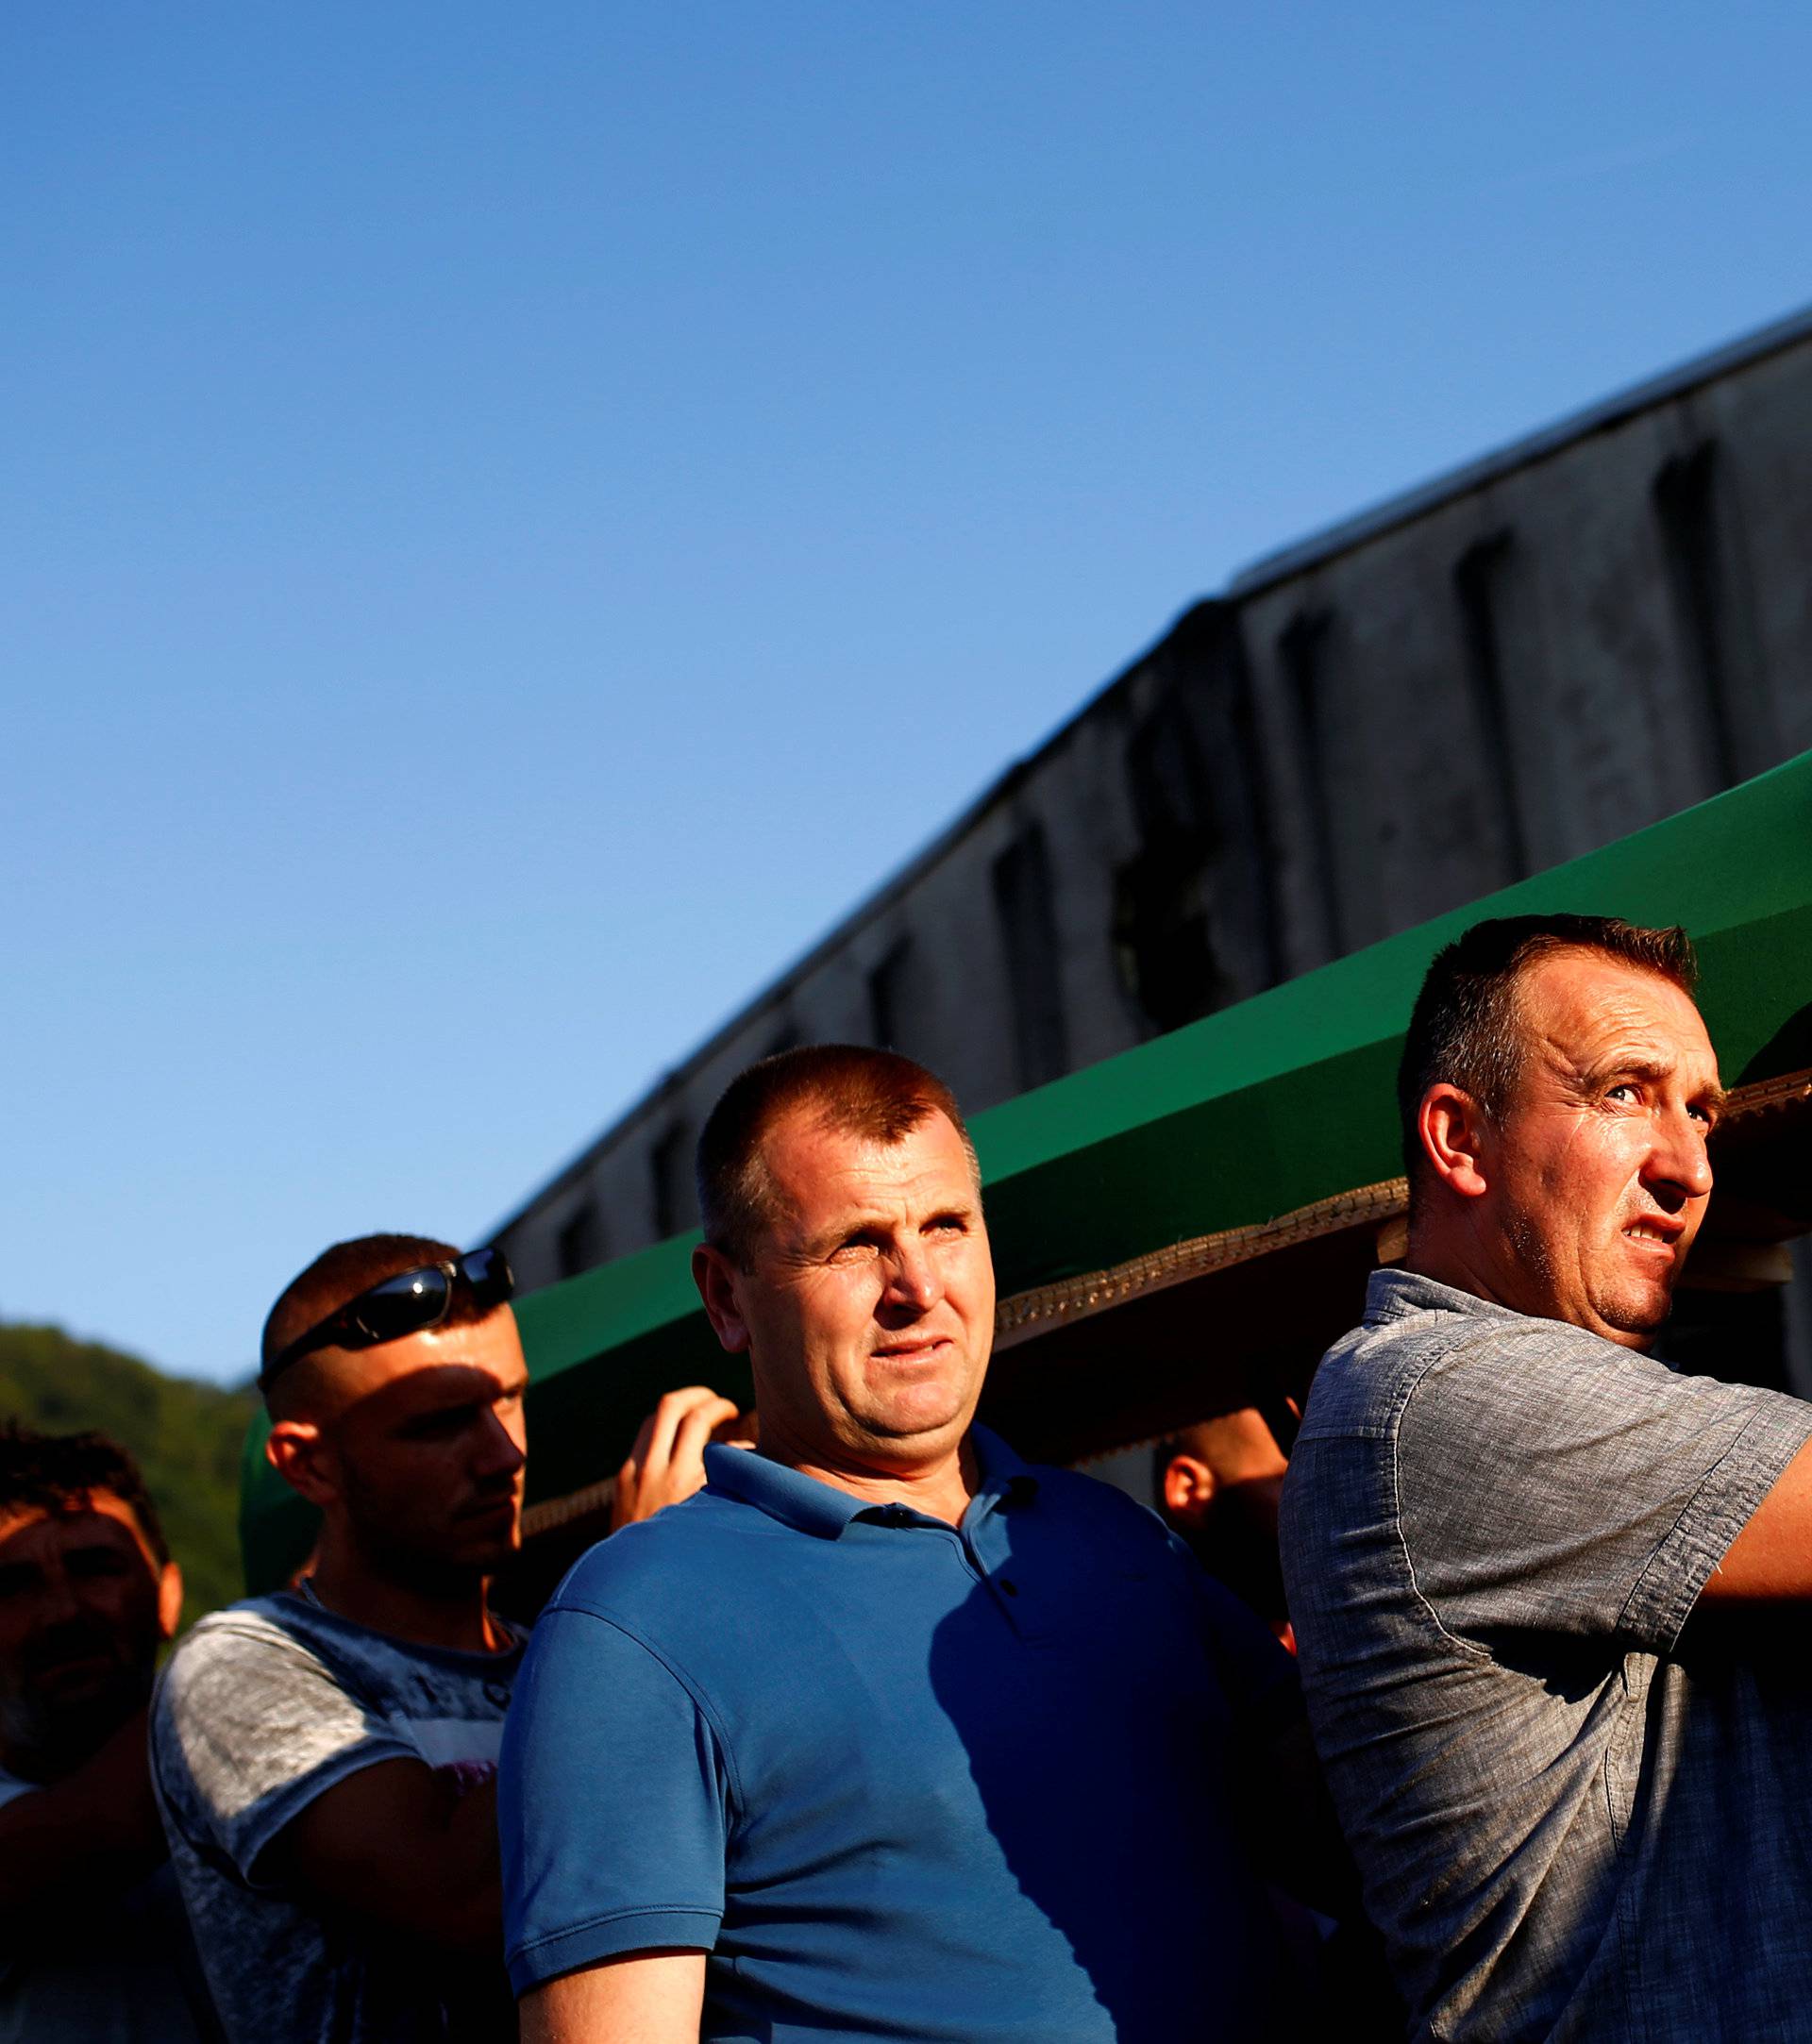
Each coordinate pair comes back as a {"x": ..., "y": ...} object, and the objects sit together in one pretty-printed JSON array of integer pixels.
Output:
[{"x": 326, "y": 1757}]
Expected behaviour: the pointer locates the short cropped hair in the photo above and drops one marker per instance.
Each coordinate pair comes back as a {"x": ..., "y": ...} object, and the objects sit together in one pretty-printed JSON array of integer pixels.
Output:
[
  {"x": 876, "y": 1093},
  {"x": 340, "y": 1274},
  {"x": 1465, "y": 1029},
  {"x": 1240, "y": 1389},
  {"x": 58, "y": 1472}
]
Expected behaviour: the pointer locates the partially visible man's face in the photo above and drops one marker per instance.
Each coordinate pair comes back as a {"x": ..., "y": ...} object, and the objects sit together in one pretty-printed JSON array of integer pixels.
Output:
[
  {"x": 1599, "y": 1174},
  {"x": 82, "y": 1614},
  {"x": 869, "y": 1308},
  {"x": 1220, "y": 1493},
  {"x": 425, "y": 1441}
]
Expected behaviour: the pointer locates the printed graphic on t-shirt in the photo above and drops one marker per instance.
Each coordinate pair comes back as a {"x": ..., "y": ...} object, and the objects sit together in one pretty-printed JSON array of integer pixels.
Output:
[{"x": 264, "y": 1707}]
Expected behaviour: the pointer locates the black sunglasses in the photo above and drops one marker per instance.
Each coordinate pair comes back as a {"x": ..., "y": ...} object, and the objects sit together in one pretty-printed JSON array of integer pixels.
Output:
[{"x": 405, "y": 1304}]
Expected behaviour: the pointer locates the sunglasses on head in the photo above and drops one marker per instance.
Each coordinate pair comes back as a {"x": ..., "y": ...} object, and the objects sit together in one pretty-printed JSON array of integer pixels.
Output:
[{"x": 405, "y": 1304}]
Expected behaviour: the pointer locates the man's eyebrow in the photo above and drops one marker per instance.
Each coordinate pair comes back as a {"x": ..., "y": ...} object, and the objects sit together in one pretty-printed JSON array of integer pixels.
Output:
[
  {"x": 832, "y": 1233},
  {"x": 1602, "y": 1070},
  {"x": 470, "y": 1397},
  {"x": 1626, "y": 1064}
]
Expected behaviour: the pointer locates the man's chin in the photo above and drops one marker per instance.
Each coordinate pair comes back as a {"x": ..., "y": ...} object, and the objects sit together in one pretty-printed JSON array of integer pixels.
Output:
[
  {"x": 65, "y": 1724},
  {"x": 1636, "y": 1318},
  {"x": 918, "y": 1435},
  {"x": 465, "y": 1554},
  {"x": 496, "y": 1554}
]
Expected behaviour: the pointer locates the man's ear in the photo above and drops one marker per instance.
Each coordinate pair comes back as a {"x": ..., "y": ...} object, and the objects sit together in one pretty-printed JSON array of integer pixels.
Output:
[
  {"x": 297, "y": 1450},
  {"x": 1455, "y": 1135},
  {"x": 1188, "y": 1488},
  {"x": 715, "y": 1276},
  {"x": 169, "y": 1600}
]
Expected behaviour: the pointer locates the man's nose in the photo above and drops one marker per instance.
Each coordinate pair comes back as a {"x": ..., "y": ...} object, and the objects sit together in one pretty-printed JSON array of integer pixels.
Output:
[
  {"x": 1680, "y": 1156},
  {"x": 912, "y": 1276},
  {"x": 58, "y": 1600},
  {"x": 499, "y": 1455}
]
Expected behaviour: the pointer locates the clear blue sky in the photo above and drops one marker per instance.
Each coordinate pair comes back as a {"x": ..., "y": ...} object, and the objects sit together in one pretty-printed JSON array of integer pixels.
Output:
[{"x": 516, "y": 517}]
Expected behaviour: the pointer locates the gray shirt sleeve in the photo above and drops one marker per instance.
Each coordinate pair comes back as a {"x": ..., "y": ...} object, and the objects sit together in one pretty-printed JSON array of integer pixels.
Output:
[
  {"x": 1549, "y": 1480},
  {"x": 248, "y": 1729}
]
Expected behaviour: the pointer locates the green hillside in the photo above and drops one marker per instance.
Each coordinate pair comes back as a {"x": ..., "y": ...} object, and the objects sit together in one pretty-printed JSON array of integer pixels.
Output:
[{"x": 185, "y": 1436}]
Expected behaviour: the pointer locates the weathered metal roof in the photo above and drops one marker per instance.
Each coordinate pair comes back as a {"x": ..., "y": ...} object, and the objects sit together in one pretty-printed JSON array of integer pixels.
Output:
[{"x": 1302, "y": 554}]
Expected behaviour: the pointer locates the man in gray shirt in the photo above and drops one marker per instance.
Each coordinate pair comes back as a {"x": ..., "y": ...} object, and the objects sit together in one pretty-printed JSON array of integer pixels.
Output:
[
  {"x": 326, "y": 1758},
  {"x": 1576, "y": 1814}
]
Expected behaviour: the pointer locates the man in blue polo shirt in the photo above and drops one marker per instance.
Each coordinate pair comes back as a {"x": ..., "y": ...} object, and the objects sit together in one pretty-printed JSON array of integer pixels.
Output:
[{"x": 884, "y": 1733}]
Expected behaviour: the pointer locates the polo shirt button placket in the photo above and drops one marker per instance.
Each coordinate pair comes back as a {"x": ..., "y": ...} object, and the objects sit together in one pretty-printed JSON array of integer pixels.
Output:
[{"x": 1007, "y": 1603}]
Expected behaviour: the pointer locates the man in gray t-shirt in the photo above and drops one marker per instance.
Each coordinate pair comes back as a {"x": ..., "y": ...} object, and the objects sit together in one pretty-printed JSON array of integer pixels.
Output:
[
  {"x": 268, "y": 1706},
  {"x": 1575, "y": 1773},
  {"x": 325, "y": 1759}
]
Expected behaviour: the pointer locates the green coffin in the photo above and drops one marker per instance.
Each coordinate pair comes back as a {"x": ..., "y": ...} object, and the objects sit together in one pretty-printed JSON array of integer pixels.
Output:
[{"x": 1265, "y": 1108}]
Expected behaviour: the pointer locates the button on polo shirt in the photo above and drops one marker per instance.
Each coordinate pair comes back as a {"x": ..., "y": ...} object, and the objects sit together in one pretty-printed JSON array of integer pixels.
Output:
[{"x": 898, "y": 1778}]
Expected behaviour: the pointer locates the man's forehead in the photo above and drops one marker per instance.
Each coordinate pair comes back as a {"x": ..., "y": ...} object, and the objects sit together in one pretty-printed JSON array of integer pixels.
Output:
[
  {"x": 810, "y": 1157},
  {"x": 97, "y": 1517},
  {"x": 491, "y": 1346},
  {"x": 1583, "y": 1007}
]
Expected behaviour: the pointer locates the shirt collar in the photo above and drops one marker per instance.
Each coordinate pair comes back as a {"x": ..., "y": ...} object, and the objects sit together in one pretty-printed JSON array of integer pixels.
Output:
[
  {"x": 1396, "y": 1294},
  {"x": 1003, "y": 1478},
  {"x": 810, "y": 1506},
  {"x": 797, "y": 1500}
]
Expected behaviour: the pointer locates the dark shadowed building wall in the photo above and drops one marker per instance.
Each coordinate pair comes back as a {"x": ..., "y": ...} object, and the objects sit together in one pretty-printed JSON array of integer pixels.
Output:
[{"x": 1521, "y": 662}]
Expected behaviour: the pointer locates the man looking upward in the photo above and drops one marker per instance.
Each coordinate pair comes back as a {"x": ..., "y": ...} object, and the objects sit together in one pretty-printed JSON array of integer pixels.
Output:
[
  {"x": 883, "y": 1733},
  {"x": 1576, "y": 1813}
]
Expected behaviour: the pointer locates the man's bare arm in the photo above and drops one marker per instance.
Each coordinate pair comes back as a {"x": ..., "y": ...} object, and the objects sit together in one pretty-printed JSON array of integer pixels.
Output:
[
  {"x": 645, "y": 1997},
  {"x": 398, "y": 1845},
  {"x": 95, "y": 1832},
  {"x": 1771, "y": 1558}
]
